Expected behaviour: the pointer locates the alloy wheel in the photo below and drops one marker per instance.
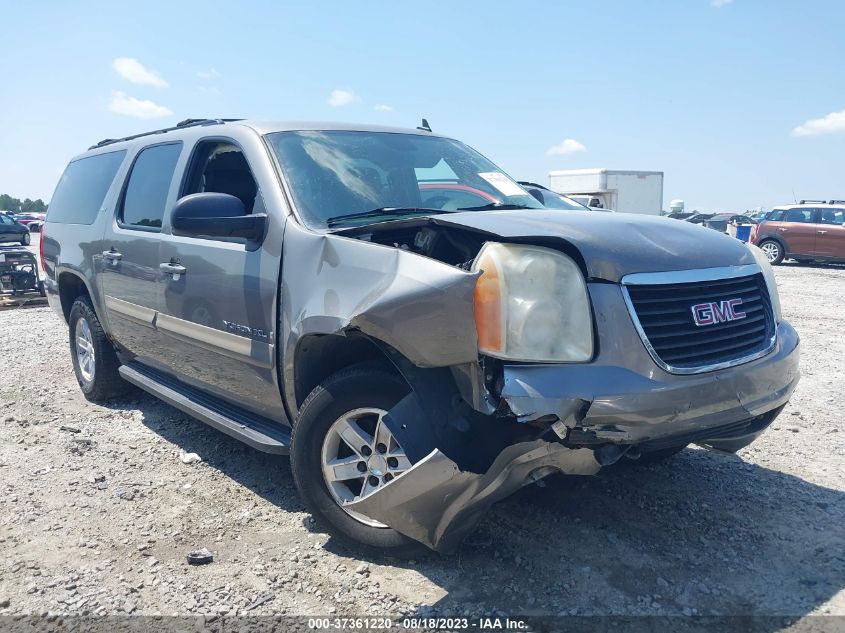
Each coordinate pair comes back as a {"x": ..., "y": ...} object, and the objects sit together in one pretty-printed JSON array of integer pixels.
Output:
[
  {"x": 85, "y": 355},
  {"x": 770, "y": 250},
  {"x": 360, "y": 455}
]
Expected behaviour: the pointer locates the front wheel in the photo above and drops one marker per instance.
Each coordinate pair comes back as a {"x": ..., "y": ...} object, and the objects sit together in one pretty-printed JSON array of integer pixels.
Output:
[
  {"x": 341, "y": 450},
  {"x": 25, "y": 239},
  {"x": 773, "y": 251}
]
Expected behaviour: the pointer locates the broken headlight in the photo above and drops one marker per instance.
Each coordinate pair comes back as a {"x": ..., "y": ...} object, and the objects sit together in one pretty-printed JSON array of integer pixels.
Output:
[
  {"x": 769, "y": 276},
  {"x": 531, "y": 304}
]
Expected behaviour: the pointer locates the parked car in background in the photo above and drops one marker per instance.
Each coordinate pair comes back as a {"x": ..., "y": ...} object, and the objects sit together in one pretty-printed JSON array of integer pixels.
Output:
[
  {"x": 550, "y": 199},
  {"x": 32, "y": 221},
  {"x": 804, "y": 232},
  {"x": 591, "y": 202},
  {"x": 681, "y": 215},
  {"x": 13, "y": 231},
  {"x": 759, "y": 216},
  {"x": 720, "y": 221},
  {"x": 698, "y": 218}
]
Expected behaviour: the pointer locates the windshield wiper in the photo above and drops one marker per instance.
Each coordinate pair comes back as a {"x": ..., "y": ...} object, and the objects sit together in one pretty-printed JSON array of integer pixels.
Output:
[
  {"x": 498, "y": 206},
  {"x": 383, "y": 211}
]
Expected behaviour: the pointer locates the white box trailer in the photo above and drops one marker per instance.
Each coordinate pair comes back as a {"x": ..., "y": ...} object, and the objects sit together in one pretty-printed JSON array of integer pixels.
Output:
[{"x": 618, "y": 189}]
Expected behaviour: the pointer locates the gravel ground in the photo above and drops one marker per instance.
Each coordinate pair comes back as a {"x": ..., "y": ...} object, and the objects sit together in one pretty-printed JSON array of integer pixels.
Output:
[{"x": 97, "y": 511}]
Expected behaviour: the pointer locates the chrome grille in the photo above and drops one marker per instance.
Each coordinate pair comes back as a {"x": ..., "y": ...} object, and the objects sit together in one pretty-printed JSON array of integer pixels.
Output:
[{"x": 664, "y": 317}]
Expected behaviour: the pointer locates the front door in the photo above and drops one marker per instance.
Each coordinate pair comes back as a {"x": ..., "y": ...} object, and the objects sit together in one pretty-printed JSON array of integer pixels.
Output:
[
  {"x": 218, "y": 310},
  {"x": 830, "y": 233},
  {"x": 129, "y": 264},
  {"x": 8, "y": 233}
]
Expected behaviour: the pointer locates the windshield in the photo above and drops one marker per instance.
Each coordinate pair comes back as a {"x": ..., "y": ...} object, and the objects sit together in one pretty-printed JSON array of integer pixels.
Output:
[{"x": 333, "y": 174}]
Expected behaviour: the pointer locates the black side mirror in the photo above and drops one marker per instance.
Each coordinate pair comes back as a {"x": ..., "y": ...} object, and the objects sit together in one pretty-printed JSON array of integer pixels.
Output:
[{"x": 213, "y": 214}]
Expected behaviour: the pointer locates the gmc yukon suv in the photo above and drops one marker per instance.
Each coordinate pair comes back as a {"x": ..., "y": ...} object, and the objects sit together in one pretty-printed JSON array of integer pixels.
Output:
[{"x": 416, "y": 330}]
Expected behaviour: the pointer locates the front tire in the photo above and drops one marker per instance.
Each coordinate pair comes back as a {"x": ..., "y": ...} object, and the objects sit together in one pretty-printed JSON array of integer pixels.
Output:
[
  {"x": 773, "y": 251},
  {"x": 25, "y": 239},
  {"x": 94, "y": 361},
  {"x": 348, "y": 406}
]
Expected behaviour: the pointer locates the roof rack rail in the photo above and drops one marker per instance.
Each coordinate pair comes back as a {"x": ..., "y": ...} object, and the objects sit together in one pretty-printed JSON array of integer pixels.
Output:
[
  {"x": 812, "y": 202},
  {"x": 837, "y": 202},
  {"x": 178, "y": 126}
]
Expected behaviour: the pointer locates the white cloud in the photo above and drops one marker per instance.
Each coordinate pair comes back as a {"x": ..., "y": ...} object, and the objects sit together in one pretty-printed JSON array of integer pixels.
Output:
[
  {"x": 383, "y": 107},
  {"x": 829, "y": 124},
  {"x": 340, "y": 98},
  {"x": 121, "y": 103},
  {"x": 208, "y": 74},
  {"x": 718, "y": 4},
  {"x": 566, "y": 146},
  {"x": 134, "y": 71}
]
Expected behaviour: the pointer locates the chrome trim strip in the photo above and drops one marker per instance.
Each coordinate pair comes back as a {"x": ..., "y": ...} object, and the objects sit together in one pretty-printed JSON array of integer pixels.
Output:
[
  {"x": 689, "y": 276},
  {"x": 232, "y": 345},
  {"x": 240, "y": 348},
  {"x": 144, "y": 316}
]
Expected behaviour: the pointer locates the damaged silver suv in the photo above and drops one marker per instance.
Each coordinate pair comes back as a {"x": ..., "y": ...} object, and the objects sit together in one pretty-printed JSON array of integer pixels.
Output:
[{"x": 414, "y": 328}]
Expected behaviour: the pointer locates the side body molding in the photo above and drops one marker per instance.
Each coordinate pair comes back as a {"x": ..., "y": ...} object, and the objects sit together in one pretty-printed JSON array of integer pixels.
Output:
[{"x": 234, "y": 346}]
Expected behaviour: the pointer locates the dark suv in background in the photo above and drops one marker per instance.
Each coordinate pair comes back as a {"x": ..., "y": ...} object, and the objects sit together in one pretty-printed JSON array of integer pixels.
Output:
[
  {"x": 809, "y": 231},
  {"x": 415, "y": 328}
]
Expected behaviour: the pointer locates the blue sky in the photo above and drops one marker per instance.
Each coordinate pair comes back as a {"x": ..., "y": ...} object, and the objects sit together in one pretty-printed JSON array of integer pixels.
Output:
[{"x": 738, "y": 102}]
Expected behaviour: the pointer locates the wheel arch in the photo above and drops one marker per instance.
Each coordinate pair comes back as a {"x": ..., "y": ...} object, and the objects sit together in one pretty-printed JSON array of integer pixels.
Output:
[
  {"x": 772, "y": 237},
  {"x": 71, "y": 285}
]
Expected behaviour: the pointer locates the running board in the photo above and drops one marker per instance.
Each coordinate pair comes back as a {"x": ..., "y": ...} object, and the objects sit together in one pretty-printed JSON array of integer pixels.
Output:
[{"x": 258, "y": 432}]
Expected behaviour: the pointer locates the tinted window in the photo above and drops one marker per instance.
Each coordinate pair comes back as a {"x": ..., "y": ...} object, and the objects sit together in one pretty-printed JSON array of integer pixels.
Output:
[
  {"x": 83, "y": 187},
  {"x": 222, "y": 168},
  {"x": 149, "y": 183},
  {"x": 832, "y": 216},
  {"x": 5, "y": 219},
  {"x": 799, "y": 215}
]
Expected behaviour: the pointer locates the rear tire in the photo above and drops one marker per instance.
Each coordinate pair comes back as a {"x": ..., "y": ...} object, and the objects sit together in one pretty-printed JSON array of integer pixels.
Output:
[
  {"x": 359, "y": 387},
  {"x": 94, "y": 360},
  {"x": 773, "y": 251}
]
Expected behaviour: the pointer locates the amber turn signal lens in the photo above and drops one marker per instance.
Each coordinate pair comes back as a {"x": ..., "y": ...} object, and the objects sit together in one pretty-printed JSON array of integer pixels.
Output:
[{"x": 488, "y": 306}]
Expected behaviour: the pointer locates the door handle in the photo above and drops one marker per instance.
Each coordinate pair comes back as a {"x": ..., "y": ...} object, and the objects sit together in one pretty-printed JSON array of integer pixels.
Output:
[
  {"x": 173, "y": 269},
  {"x": 780, "y": 228},
  {"x": 821, "y": 232},
  {"x": 113, "y": 256}
]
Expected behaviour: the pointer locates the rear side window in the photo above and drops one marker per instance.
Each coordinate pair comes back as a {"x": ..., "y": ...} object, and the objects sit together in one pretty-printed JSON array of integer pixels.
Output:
[
  {"x": 83, "y": 187},
  {"x": 148, "y": 186},
  {"x": 833, "y": 216},
  {"x": 799, "y": 215}
]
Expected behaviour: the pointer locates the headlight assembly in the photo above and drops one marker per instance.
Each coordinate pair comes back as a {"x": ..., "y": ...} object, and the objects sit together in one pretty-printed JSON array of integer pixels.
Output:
[
  {"x": 531, "y": 304},
  {"x": 769, "y": 276}
]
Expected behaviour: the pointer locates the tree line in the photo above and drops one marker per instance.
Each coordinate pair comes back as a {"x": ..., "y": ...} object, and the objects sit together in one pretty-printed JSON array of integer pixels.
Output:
[{"x": 16, "y": 205}]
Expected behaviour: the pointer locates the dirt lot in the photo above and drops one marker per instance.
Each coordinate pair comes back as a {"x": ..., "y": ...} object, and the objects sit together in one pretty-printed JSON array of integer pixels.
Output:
[{"x": 97, "y": 512}]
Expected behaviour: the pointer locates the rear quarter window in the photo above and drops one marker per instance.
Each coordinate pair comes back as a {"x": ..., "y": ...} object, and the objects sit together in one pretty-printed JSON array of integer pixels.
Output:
[{"x": 83, "y": 187}]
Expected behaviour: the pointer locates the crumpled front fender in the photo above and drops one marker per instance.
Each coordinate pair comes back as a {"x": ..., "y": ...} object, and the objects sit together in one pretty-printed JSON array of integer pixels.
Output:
[{"x": 437, "y": 504}]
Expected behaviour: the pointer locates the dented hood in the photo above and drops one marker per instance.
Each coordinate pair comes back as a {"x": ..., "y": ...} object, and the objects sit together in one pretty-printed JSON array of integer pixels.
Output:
[{"x": 613, "y": 244}]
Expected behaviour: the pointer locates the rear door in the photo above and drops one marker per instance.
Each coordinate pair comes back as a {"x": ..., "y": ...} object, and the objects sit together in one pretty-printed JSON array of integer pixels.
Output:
[
  {"x": 219, "y": 313},
  {"x": 830, "y": 232},
  {"x": 798, "y": 230},
  {"x": 130, "y": 278}
]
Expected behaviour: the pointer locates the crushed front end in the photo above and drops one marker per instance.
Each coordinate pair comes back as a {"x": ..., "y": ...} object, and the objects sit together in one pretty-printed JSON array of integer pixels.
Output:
[{"x": 646, "y": 376}]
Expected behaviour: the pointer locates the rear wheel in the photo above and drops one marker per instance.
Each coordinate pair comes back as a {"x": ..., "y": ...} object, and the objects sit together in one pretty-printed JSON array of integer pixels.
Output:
[
  {"x": 94, "y": 361},
  {"x": 773, "y": 251},
  {"x": 341, "y": 451}
]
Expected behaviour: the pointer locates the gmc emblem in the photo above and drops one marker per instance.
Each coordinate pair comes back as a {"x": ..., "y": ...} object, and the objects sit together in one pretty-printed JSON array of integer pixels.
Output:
[{"x": 715, "y": 312}]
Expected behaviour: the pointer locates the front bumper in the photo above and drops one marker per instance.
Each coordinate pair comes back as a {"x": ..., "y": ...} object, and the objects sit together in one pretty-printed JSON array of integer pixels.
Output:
[{"x": 620, "y": 400}]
